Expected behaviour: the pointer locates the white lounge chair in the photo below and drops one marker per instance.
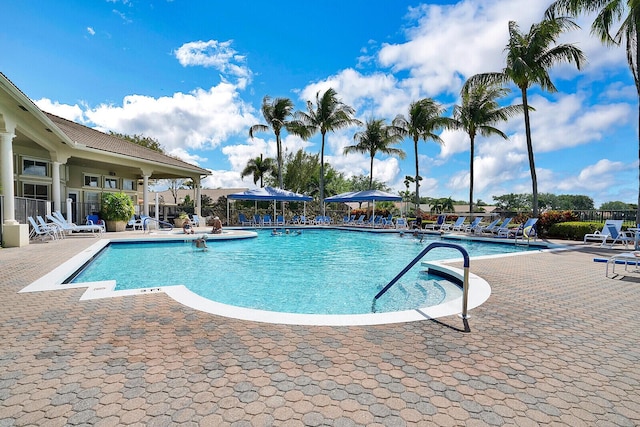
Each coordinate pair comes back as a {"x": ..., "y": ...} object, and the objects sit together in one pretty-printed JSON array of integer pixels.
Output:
[
  {"x": 70, "y": 228},
  {"x": 474, "y": 226},
  {"x": 40, "y": 232},
  {"x": 454, "y": 226},
  {"x": 605, "y": 234}
]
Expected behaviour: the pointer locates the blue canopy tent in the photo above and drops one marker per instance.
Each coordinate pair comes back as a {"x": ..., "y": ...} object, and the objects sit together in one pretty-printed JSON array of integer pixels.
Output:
[
  {"x": 269, "y": 194},
  {"x": 364, "y": 196}
]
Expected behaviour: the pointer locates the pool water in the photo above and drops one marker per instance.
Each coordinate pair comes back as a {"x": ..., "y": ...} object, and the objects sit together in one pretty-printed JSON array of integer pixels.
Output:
[{"x": 316, "y": 272}]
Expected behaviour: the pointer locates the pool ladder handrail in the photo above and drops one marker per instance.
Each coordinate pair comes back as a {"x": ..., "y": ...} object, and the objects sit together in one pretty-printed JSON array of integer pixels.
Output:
[
  {"x": 465, "y": 283},
  {"x": 160, "y": 222}
]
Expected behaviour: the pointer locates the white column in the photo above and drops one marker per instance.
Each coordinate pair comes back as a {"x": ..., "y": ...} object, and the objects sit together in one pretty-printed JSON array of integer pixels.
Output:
[
  {"x": 145, "y": 195},
  {"x": 198, "y": 207},
  {"x": 55, "y": 187},
  {"x": 6, "y": 159}
]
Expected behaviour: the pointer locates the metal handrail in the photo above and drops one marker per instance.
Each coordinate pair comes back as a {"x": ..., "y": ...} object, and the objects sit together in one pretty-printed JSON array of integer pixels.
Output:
[
  {"x": 147, "y": 219},
  {"x": 465, "y": 283}
]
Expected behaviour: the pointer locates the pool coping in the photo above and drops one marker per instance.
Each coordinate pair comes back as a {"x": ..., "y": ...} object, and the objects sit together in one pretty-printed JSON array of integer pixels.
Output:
[{"x": 479, "y": 290}]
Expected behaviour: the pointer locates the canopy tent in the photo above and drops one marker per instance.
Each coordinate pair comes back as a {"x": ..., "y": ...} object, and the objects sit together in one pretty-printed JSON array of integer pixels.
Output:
[
  {"x": 364, "y": 196},
  {"x": 269, "y": 194}
]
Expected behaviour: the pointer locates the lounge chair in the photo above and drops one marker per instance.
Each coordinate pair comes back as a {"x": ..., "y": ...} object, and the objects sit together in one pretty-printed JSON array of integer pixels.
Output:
[
  {"x": 475, "y": 224},
  {"x": 500, "y": 229},
  {"x": 266, "y": 220},
  {"x": 454, "y": 226},
  {"x": 620, "y": 237},
  {"x": 195, "y": 220},
  {"x": 437, "y": 225},
  {"x": 488, "y": 228},
  {"x": 257, "y": 221},
  {"x": 243, "y": 220},
  {"x": 526, "y": 230},
  {"x": 279, "y": 220},
  {"x": 55, "y": 228},
  {"x": 603, "y": 235},
  {"x": 401, "y": 224},
  {"x": 40, "y": 232},
  {"x": 69, "y": 228}
]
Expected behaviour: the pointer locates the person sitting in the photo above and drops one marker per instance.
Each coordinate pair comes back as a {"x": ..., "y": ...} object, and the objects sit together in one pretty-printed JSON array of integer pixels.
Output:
[
  {"x": 186, "y": 227},
  {"x": 217, "y": 225},
  {"x": 418, "y": 222}
]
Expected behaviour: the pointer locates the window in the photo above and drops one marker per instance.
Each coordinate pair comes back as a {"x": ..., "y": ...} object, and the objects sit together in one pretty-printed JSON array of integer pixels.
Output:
[
  {"x": 128, "y": 184},
  {"x": 34, "y": 167},
  {"x": 35, "y": 191},
  {"x": 91, "y": 180},
  {"x": 111, "y": 183}
]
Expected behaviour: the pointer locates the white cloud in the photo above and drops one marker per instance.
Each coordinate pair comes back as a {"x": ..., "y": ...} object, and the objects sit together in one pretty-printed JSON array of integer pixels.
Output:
[
  {"x": 74, "y": 112},
  {"x": 214, "y": 54},
  {"x": 201, "y": 119},
  {"x": 91, "y": 31}
]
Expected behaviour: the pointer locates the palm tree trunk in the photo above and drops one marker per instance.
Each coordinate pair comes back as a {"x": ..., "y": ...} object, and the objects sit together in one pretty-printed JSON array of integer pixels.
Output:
[
  {"x": 322, "y": 174},
  {"x": 471, "y": 177},
  {"x": 371, "y": 174},
  {"x": 636, "y": 75},
  {"x": 415, "y": 143},
  {"x": 279, "y": 149},
  {"x": 532, "y": 166}
]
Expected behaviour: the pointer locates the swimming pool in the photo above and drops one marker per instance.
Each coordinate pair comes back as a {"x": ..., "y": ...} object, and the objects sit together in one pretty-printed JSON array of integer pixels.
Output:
[{"x": 317, "y": 272}]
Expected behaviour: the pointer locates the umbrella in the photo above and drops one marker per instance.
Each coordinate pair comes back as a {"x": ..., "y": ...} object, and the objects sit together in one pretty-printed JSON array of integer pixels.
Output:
[
  {"x": 364, "y": 196},
  {"x": 268, "y": 194}
]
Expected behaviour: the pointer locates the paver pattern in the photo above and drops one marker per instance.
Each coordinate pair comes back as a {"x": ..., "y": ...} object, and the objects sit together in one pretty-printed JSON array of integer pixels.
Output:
[{"x": 557, "y": 343}]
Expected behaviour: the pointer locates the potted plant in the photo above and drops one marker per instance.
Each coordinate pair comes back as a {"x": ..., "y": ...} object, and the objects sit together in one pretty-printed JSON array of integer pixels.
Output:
[
  {"x": 181, "y": 219},
  {"x": 117, "y": 209}
]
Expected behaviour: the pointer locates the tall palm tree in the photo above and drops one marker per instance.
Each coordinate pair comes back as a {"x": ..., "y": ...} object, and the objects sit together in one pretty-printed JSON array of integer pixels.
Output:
[
  {"x": 259, "y": 168},
  {"x": 425, "y": 119},
  {"x": 477, "y": 114},
  {"x": 327, "y": 115},
  {"x": 276, "y": 113},
  {"x": 529, "y": 57},
  {"x": 377, "y": 137},
  {"x": 626, "y": 14}
]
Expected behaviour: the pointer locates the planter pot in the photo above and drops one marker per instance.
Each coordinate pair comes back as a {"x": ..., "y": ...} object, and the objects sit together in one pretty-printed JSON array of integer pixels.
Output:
[
  {"x": 116, "y": 225},
  {"x": 179, "y": 222}
]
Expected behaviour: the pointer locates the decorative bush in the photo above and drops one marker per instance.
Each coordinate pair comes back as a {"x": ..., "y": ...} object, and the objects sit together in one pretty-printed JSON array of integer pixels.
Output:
[
  {"x": 116, "y": 207},
  {"x": 572, "y": 230},
  {"x": 548, "y": 219}
]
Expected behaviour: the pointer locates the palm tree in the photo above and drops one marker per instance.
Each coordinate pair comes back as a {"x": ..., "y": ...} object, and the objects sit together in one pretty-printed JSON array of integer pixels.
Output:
[
  {"x": 276, "y": 113},
  {"x": 377, "y": 137},
  {"x": 425, "y": 119},
  {"x": 258, "y": 167},
  {"x": 328, "y": 114},
  {"x": 610, "y": 13},
  {"x": 529, "y": 57},
  {"x": 478, "y": 112}
]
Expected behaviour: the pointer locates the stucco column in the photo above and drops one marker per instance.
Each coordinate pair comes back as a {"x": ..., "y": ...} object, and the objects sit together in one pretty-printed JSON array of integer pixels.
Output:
[
  {"x": 55, "y": 186},
  {"x": 198, "y": 203},
  {"x": 145, "y": 195},
  {"x": 6, "y": 163}
]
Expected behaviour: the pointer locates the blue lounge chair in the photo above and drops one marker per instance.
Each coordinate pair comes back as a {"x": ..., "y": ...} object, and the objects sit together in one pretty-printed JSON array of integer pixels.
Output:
[
  {"x": 500, "y": 229},
  {"x": 455, "y": 226},
  {"x": 437, "y": 225},
  {"x": 401, "y": 223},
  {"x": 488, "y": 228},
  {"x": 526, "y": 230},
  {"x": 243, "y": 220},
  {"x": 474, "y": 226},
  {"x": 620, "y": 237},
  {"x": 280, "y": 220},
  {"x": 257, "y": 221},
  {"x": 266, "y": 220}
]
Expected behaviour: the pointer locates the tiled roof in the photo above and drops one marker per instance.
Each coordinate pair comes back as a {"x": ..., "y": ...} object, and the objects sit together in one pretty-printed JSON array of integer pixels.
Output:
[{"x": 108, "y": 143}]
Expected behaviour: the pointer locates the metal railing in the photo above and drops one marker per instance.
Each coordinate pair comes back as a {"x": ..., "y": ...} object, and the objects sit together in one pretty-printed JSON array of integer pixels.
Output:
[
  {"x": 160, "y": 223},
  {"x": 465, "y": 283}
]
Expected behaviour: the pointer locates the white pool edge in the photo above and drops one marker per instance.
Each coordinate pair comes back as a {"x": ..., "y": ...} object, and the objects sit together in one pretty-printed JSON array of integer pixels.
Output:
[{"x": 479, "y": 292}]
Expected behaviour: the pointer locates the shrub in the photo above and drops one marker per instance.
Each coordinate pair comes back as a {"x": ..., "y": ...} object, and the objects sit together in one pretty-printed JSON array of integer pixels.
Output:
[
  {"x": 548, "y": 219},
  {"x": 116, "y": 207}
]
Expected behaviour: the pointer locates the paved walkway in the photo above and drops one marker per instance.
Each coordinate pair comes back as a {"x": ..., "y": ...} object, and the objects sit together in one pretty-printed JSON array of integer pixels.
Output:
[{"x": 556, "y": 344}]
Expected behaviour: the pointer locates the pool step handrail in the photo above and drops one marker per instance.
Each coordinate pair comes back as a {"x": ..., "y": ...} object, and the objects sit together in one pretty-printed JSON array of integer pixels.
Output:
[
  {"x": 465, "y": 283},
  {"x": 159, "y": 222}
]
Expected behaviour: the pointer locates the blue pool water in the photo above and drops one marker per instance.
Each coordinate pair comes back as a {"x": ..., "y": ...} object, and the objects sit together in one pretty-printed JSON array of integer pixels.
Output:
[{"x": 316, "y": 272}]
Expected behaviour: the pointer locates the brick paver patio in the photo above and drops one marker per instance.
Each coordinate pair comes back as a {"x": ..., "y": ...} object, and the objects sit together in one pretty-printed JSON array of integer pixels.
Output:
[{"x": 557, "y": 343}]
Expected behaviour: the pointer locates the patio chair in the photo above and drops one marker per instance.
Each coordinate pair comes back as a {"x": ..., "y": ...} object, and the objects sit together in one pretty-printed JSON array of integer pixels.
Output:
[
  {"x": 71, "y": 227},
  {"x": 257, "y": 221},
  {"x": 280, "y": 220},
  {"x": 526, "y": 230},
  {"x": 454, "y": 226},
  {"x": 437, "y": 225},
  {"x": 487, "y": 228},
  {"x": 37, "y": 231},
  {"x": 474, "y": 226},
  {"x": 620, "y": 237},
  {"x": 500, "y": 229},
  {"x": 266, "y": 220},
  {"x": 605, "y": 234},
  {"x": 401, "y": 224},
  {"x": 55, "y": 228},
  {"x": 360, "y": 220},
  {"x": 243, "y": 220},
  {"x": 195, "y": 220}
]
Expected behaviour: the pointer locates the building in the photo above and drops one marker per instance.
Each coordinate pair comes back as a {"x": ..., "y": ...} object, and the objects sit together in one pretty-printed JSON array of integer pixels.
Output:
[{"x": 45, "y": 157}]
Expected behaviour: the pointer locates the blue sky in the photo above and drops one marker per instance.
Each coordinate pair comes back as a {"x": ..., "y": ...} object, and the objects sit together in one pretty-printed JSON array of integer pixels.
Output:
[{"x": 192, "y": 74}]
